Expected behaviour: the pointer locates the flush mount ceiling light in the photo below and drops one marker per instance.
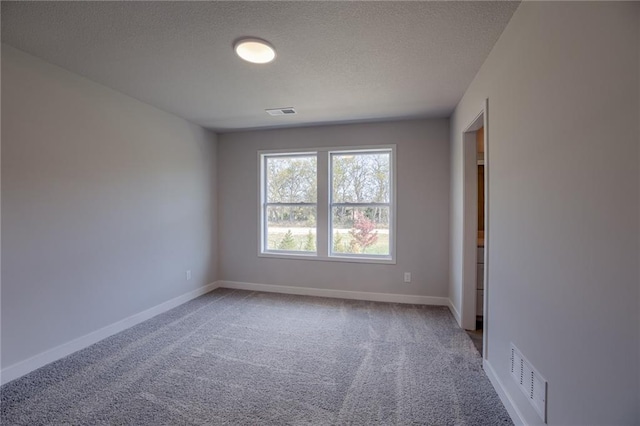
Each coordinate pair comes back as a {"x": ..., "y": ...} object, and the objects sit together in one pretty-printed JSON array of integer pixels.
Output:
[{"x": 254, "y": 50}]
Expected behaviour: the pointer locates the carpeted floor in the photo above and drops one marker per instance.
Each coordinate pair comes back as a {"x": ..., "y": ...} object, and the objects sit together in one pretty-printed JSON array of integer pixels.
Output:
[
  {"x": 476, "y": 336},
  {"x": 249, "y": 358}
]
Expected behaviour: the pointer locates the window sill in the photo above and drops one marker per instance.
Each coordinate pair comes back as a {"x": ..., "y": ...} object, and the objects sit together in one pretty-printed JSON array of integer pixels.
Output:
[{"x": 384, "y": 261}]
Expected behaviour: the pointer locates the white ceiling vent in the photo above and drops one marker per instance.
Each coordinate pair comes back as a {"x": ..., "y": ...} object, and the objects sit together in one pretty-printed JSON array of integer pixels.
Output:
[{"x": 281, "y": 111}]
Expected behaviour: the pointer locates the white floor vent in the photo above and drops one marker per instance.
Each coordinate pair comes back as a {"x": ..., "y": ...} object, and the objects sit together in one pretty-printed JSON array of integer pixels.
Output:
[{"x": 529, "y": 381}]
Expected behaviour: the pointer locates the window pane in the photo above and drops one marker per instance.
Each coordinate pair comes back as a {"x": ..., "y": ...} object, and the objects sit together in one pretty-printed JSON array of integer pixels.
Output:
[
  {"x": 360, "y": 230},
  {"x": 361, "y": 178},
  {"x": 291, "y": 179},
  {"x": 291, "y": 228}
]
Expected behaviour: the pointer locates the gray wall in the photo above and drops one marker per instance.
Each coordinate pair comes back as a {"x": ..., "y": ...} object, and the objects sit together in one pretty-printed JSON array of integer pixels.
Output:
[
  {"x": 422, "y": 211},
  {"x": 106, "y": 202},
  {"x": 563, "y": 84}
]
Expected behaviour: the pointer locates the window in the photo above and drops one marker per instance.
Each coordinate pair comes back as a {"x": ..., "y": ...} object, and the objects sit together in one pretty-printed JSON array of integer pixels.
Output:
[
  {"x": 360, "y": 203},
  {"x": 329, "y": 204},
  {"x": 289, "y": 208}
]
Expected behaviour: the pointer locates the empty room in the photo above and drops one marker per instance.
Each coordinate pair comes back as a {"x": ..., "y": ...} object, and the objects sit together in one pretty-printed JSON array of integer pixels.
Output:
[{"x": 320, "y": 213}]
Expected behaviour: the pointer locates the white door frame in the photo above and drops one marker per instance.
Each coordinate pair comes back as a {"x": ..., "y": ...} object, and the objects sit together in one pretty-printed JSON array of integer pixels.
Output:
[{"x": 470, "y": 225}]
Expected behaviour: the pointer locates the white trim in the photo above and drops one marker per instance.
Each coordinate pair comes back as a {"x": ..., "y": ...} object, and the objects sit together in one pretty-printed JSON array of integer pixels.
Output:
[
  {"x": 21, "y": 368},
  {"x": 470, "y": 221},
  {"x": 345, "y": 148},
  {"x": 324, "y": 205},
  {"x": 455, "y": 313},
  {"x": 263, "y": 155},
  {"x": 312, "y": 256},
  {"x": 509, "y": 404},
  {"x": 338, "y": 294},
  {"x": 392, "y": 204},
  {"x": 485, "y": 302}
]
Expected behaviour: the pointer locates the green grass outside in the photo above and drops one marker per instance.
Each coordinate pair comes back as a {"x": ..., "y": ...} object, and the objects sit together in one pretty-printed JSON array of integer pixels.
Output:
[{"x": 380, "y": 247}]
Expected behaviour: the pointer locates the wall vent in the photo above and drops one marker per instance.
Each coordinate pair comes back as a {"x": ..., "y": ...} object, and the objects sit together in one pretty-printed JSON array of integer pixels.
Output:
[
  {"x": 530, "y": 382},
  {"x": 281, "y": 111}
]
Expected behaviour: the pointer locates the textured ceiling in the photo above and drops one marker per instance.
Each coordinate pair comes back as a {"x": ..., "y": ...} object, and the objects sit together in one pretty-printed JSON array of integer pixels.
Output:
[{"x": 337, "y": 61}]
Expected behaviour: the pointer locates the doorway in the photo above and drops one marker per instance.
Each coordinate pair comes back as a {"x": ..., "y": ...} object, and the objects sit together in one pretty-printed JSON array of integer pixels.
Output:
[
  {"x": 476, "y": 235},
  {"x": 477, "y": 334}
]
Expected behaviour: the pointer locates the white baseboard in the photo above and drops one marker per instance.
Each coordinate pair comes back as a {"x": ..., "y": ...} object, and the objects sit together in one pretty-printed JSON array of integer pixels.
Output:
[
  {"x": 455, "y": 313},
  {"x": 21, "y": 368},
  {"x": 338, "y": 294},
  {"x": 512, "y": 409}
]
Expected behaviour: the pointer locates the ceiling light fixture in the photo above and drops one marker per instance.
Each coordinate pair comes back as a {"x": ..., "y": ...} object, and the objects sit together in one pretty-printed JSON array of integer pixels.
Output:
[{"x": 254, "y": 50}]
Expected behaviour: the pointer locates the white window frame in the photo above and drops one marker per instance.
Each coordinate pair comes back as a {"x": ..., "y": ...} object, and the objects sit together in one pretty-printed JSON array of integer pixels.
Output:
[
  {"x": 264, "y": 204},
  {"x": 390, "y": 204},
  {"x": 324, "y": 206}
]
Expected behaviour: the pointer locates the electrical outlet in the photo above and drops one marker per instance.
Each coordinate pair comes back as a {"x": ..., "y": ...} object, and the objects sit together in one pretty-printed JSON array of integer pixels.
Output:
[
  {"x": 407, "y": 277},
  {"x": 188, "y": 274}
]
